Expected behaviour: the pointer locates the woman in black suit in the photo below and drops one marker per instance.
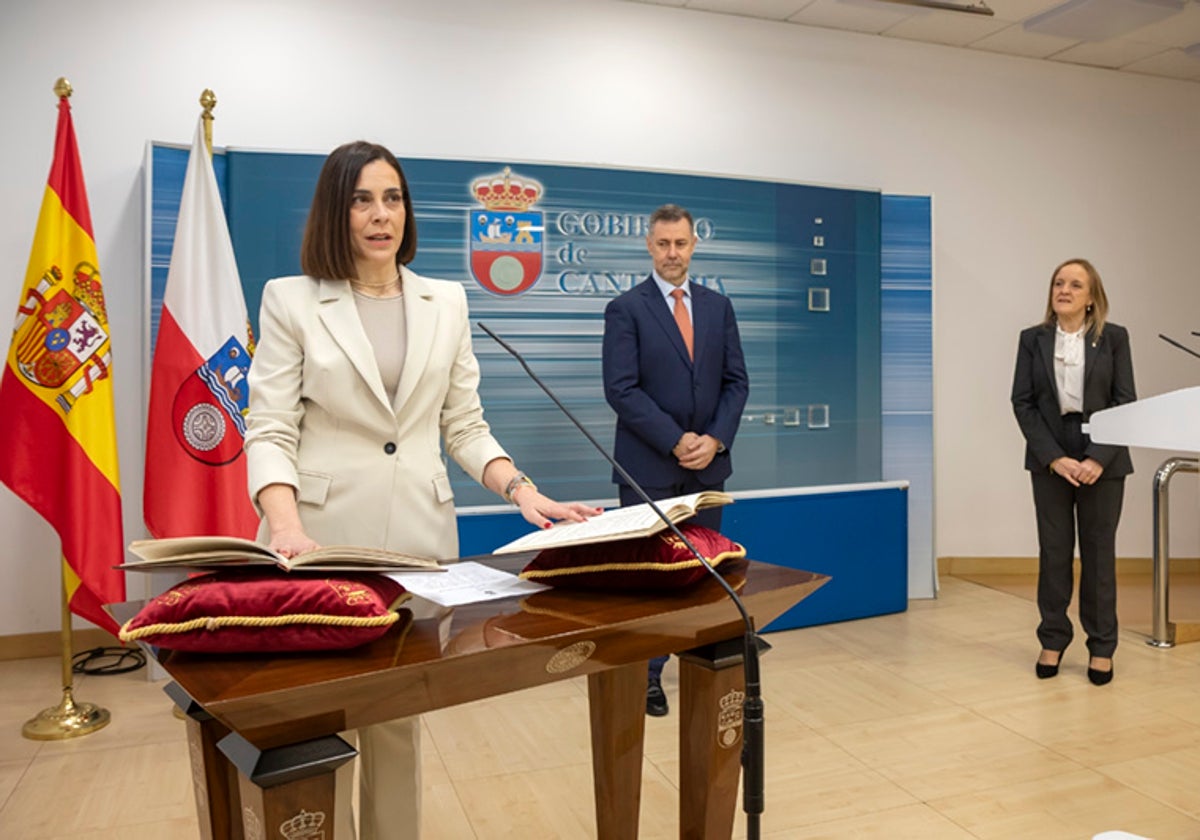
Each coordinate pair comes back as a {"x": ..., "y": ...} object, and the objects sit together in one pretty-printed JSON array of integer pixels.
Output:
[{"x": 1072, "y": 364}]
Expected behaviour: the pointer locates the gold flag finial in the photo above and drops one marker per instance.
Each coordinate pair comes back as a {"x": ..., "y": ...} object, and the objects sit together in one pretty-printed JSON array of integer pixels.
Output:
[
  {"x": 208, "y": 101},
  {"x": 62, "y": 87}
]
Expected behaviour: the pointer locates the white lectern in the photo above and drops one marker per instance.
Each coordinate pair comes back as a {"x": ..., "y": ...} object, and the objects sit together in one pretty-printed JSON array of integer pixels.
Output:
[{"x": 1168, "y": 421}]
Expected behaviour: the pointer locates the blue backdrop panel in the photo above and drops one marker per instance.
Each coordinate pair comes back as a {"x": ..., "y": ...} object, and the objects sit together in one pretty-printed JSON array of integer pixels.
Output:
[
  {"x": 857, "y": 536},
  {"x": 802, "y": 266},
  {"x": 814, "y": 411},
  {"x": 907, "y": 353}
]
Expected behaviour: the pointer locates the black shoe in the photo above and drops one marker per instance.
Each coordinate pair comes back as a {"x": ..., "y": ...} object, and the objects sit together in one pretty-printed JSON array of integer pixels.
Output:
[
  {"x": 1045, "y": 672},
  {"x": 1099, "y": 677},
  {"x": 656, "y": 699}
]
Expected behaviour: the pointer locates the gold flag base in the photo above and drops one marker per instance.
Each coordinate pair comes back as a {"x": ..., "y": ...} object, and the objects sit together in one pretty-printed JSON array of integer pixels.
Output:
[{"x": 66, "y": 720}]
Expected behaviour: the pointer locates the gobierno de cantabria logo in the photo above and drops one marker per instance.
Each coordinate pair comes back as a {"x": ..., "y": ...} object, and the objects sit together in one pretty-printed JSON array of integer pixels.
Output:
[{"x": 506, "y": 233}]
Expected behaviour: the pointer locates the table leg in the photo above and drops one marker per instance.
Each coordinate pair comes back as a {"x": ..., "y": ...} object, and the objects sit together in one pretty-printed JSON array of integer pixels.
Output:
[
  {"x": 288, "y": 791},
  {"x": 617, "y": 703},
  {"x": 214, "y": 778},
  {"x": 712, "y": 688}
]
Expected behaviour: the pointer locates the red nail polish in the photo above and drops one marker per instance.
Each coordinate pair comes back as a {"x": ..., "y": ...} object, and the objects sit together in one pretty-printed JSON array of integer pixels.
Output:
[{"x": 547, "y": 525}]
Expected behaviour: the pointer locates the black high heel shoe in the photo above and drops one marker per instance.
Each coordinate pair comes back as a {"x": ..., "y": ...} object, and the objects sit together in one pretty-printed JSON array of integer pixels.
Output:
[
  {"x": 1045, "y": 672},
  {"x": 1098, "y": 677}
]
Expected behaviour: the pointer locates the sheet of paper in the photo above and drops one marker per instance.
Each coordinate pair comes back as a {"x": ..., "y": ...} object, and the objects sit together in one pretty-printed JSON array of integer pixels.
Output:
[{"x": 466, "y": 582}]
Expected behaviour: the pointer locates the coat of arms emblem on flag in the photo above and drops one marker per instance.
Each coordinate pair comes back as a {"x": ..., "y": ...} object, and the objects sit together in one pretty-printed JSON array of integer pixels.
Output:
[
  {"x": 209, "y": 410},
  {"x": 506, "y": 233},
  {"x": 61, "y": 334}
]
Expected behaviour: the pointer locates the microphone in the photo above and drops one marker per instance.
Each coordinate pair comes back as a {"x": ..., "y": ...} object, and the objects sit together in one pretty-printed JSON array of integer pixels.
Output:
[
  {"x": 752, "y": 707},
  {"x": 1180, "y": 346}
]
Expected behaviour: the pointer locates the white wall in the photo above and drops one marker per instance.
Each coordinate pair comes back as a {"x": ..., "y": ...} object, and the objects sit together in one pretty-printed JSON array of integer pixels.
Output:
[{"x": 1028, "y": 162}]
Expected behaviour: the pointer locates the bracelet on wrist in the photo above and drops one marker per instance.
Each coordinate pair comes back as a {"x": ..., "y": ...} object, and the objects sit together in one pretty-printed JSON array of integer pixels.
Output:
[{"x": 518, "y": 480}]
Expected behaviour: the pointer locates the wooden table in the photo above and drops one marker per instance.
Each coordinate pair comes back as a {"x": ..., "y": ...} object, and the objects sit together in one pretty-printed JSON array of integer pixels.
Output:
[{"x": 263, "y": 728}]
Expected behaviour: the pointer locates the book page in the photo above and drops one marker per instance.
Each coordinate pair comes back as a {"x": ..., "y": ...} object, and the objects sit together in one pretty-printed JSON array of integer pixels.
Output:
[
  {"x": 346, "y": 556},
  {"x": 616, "y": 523},
  {"x": 211, "y": 549},
  {"x": 224, "y": 552}
]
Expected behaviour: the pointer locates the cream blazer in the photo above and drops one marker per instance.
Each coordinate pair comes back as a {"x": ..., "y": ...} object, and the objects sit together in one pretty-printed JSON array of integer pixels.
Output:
[{"x": 366, "y": 471}]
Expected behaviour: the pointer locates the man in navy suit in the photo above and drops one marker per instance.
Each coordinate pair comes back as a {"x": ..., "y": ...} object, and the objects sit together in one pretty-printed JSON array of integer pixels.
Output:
[{"x": 675, "y": 375}]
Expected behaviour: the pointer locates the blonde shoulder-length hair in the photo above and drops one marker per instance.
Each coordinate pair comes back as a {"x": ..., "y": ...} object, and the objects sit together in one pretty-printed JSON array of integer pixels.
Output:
[{"x": 1097, "y": 314}]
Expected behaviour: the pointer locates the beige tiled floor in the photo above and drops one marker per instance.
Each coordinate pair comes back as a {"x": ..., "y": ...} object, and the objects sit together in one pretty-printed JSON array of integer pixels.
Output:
[{"x": 925, "y": 724}]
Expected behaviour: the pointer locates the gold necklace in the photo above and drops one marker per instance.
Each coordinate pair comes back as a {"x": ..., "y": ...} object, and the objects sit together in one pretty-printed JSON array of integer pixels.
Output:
[{"x": 376, "y": 288}]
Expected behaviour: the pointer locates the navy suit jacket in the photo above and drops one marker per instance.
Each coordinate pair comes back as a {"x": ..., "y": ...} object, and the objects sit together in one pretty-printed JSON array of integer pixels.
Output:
[
  {"x": 659, "y": 393},
  {"x": 1107, "y": 381}
]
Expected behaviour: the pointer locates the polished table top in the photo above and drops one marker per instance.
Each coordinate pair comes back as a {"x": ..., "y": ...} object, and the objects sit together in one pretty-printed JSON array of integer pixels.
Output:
[{"x": 479, "y": 650}]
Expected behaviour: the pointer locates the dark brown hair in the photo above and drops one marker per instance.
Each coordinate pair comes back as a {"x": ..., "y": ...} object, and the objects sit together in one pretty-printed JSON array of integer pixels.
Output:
[
  {"x": 1097, "y": 314},
  {"x": 326, "y": 251}
]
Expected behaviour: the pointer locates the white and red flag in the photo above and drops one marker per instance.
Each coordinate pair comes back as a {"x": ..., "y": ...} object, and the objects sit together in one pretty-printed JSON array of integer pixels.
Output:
[{"x": 195, "y": 470}]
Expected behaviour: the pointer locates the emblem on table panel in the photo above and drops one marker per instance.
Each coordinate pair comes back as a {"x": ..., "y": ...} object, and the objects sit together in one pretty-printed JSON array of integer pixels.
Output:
[
  {"x": 209, "y": 410},
  {"x": 729, "y": 718},
  {"x": 304, "y": 826},
  {"x": 251, "y": 824},
  {"x": 570, "y": 657},
  {"x": 506, "y": 233},
  {"x": 60, "y": 337}
]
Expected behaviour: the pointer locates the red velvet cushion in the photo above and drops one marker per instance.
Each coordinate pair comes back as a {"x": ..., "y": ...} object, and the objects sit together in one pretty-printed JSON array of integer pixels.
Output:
[
  {"x": 661, "y": 561},
  {"x": 240, "y": 611}
]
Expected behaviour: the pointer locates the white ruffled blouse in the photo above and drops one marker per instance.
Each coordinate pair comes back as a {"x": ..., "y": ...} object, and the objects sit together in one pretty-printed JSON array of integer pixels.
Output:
[{"x": 1068, "y": 368}]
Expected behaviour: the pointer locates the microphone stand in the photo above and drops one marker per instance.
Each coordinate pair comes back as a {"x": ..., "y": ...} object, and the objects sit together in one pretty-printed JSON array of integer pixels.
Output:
[{"x": 752, "y": 708}]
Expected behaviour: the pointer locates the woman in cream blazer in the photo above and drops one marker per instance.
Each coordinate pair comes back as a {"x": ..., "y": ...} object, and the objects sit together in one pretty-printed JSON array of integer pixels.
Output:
[
  {"x": 367, "y": 470},
  {"x": 364, "y": 372}
]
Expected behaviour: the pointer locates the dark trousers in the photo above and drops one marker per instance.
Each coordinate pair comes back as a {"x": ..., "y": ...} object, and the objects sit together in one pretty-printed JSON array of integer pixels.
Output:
[
  {"x": 1094, "y": 510},
  {"x": 709, "y": 518}
]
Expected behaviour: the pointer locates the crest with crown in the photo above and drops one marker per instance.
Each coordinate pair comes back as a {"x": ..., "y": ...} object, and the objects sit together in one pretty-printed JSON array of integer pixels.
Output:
[
  {"x": 506, "y": 191},
  {"x": 89, "y": 292},
  {"x": 304, "y": 826}
]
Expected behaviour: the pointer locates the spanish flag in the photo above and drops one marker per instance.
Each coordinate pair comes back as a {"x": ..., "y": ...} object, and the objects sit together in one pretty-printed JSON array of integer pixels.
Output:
[{"x": 56, "y": 398}]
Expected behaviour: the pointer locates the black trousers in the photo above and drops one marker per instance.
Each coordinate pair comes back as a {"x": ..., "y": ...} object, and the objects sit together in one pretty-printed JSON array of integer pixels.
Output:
[
  {"x": 709, "y": 518},
  {"x": 1094, "y": 511}
]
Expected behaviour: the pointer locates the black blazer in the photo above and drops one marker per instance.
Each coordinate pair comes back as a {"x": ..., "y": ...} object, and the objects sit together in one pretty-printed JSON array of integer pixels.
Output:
[{"x": 1107, "y": 381}]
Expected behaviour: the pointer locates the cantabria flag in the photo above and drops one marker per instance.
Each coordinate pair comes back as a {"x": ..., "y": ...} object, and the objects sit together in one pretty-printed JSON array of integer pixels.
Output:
[{"x": 195, "y": 471}]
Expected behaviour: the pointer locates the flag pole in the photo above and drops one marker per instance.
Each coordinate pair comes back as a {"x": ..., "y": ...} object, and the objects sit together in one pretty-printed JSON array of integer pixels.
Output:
[{"x": 68, "y": 719}]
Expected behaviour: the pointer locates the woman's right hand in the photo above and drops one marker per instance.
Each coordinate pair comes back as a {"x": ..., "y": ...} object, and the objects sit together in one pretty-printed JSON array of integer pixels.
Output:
[{"x": 291, "y": 542}]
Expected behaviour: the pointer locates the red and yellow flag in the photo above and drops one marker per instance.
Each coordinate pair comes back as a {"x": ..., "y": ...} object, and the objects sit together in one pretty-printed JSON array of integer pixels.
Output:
[{"x": 56, "y": 399}]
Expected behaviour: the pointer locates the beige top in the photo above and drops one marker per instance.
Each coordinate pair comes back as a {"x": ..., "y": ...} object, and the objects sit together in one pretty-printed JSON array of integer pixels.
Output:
[{"x": 383, "y": 322}]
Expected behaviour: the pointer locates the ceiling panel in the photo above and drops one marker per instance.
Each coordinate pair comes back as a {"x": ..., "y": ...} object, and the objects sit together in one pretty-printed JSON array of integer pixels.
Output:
[
  {"x": 1017, "y": 10},
  {"x": 1015, "y": 40},
  {"x": 1174, "y": 63},
  {"x": 1156, "y": 49},
  {"x": 1113, "y": 53},
  {"x": 950, "y": 28},
  {"x": 1180, "y": 30},
  {"x": 767, "y": 9},
  {"x": 856, "y": 16}
]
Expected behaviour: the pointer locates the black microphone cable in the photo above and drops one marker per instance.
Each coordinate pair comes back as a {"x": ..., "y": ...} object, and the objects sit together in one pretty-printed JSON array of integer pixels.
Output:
[{"x": 752, "y": 707}]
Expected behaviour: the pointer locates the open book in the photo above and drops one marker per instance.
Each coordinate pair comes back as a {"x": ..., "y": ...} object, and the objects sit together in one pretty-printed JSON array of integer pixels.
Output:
[
  {"x": 618, "y": 523},
  {"x": 226, "y": 552}
]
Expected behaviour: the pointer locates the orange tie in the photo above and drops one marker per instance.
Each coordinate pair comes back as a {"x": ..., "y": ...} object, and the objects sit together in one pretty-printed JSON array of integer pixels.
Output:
[{"x": 682, "y": 319}]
